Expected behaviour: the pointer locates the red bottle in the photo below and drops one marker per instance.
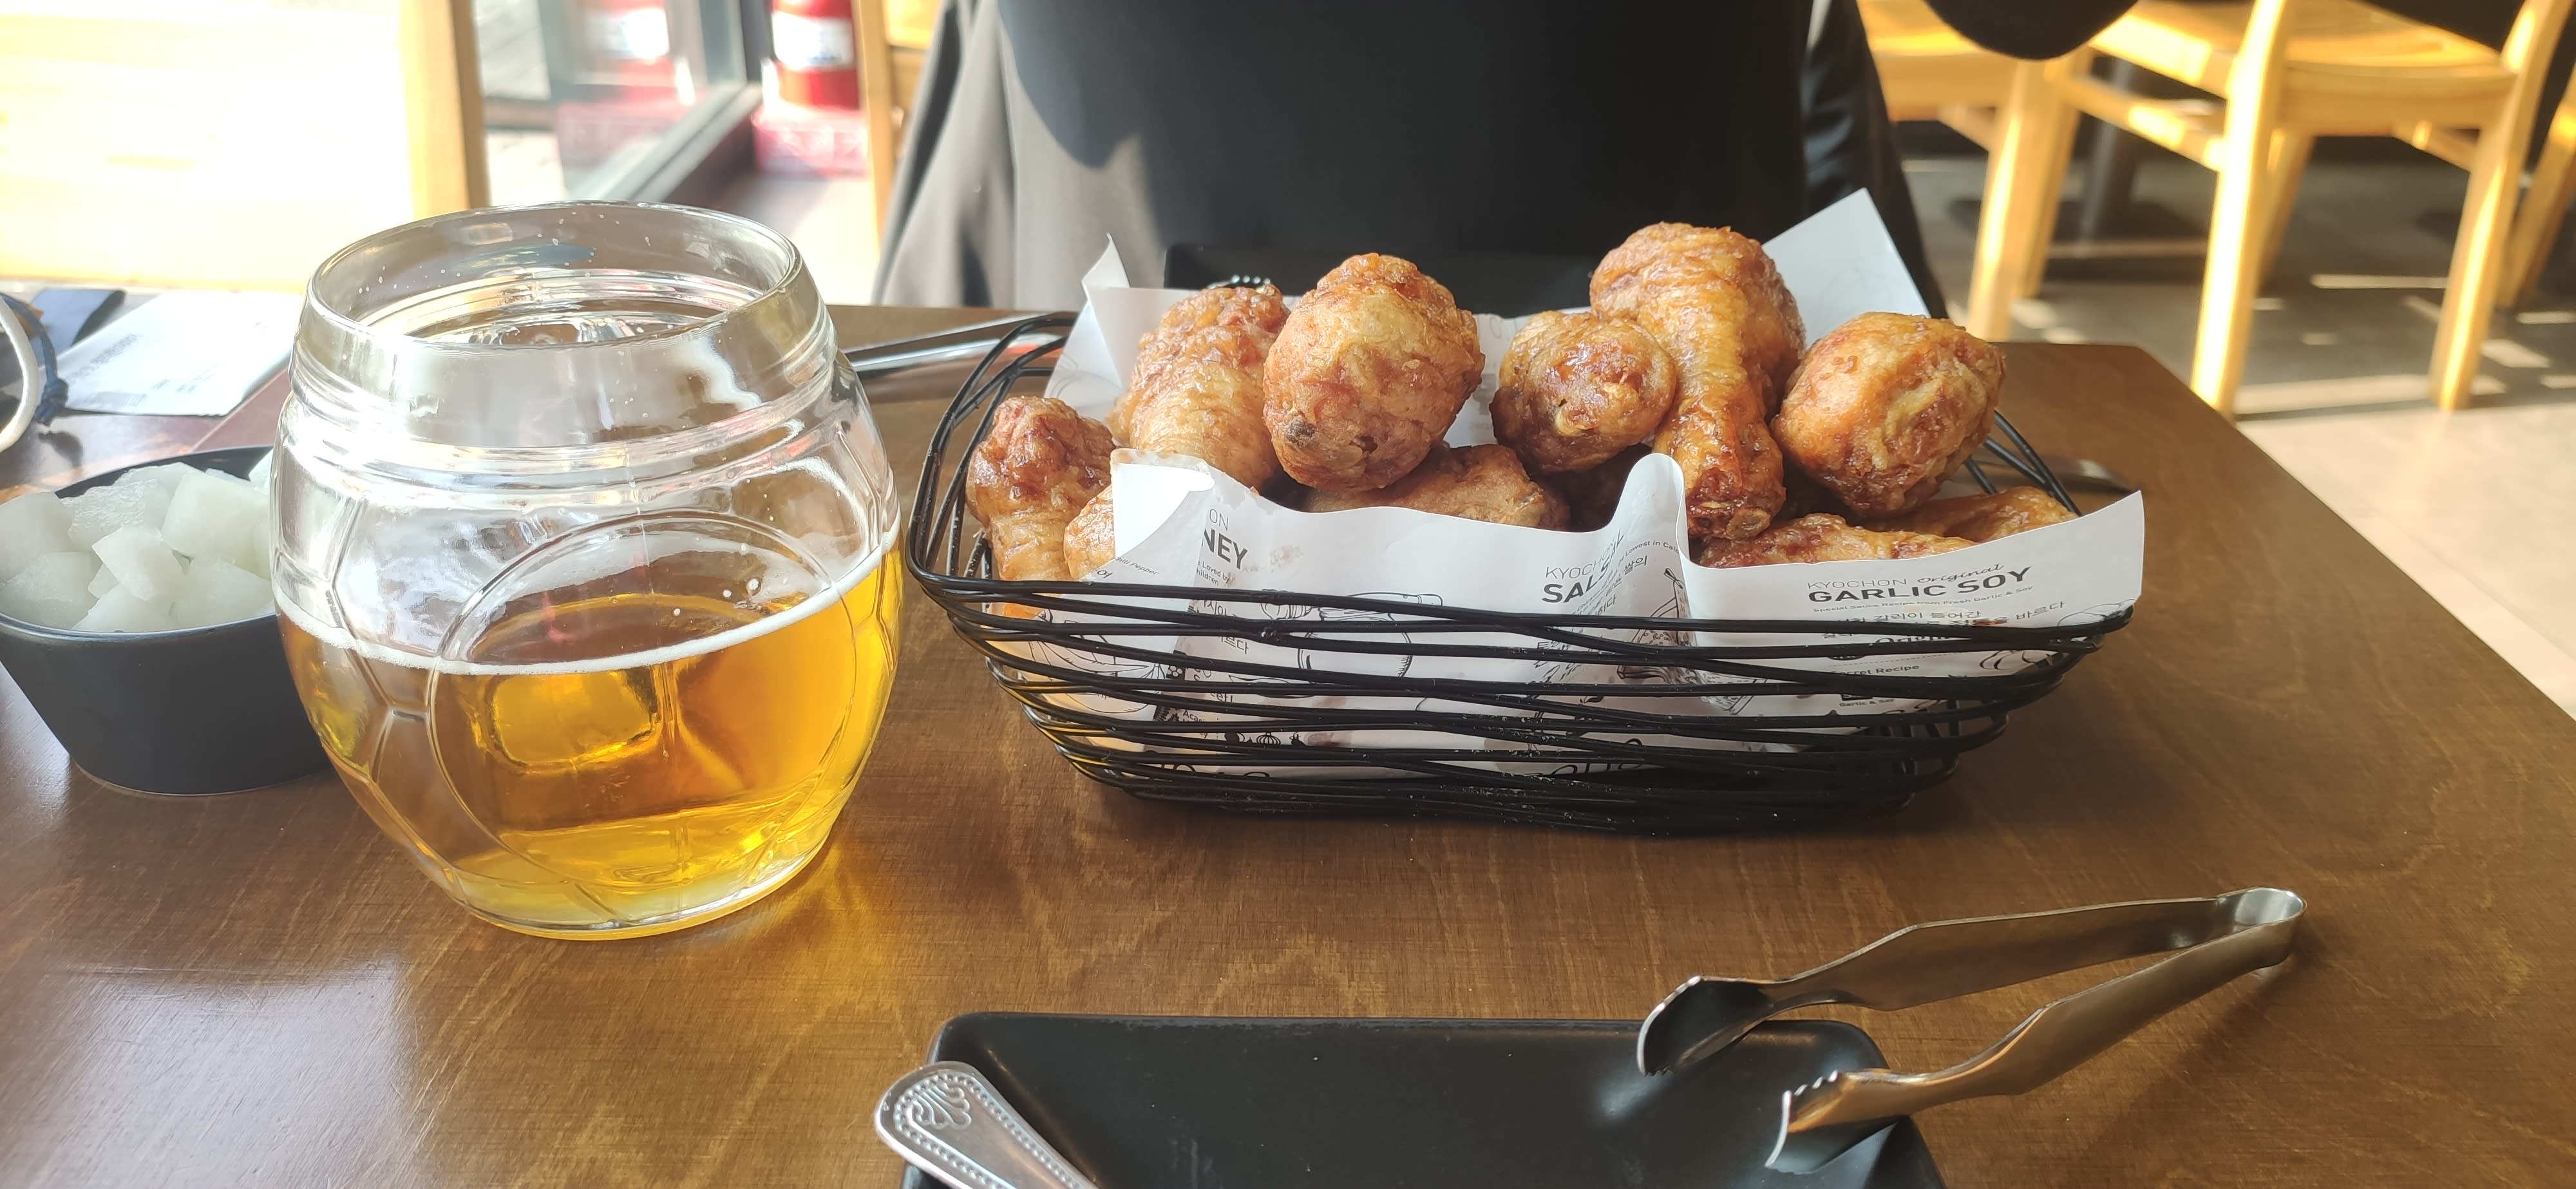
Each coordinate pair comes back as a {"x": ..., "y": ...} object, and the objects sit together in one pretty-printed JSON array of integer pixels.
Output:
[{"x": 816, "y": 49}]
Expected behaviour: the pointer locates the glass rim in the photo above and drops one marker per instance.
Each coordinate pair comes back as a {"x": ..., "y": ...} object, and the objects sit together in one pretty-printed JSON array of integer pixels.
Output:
[{"x": 347, "y": 323}]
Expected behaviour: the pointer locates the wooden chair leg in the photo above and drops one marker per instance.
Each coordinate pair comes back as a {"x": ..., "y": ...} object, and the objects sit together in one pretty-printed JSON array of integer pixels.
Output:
[
  {"x": 2034, "y": 273},
  {"x": 2477, "y": 264},
  {"x": 2543, "y": 207},
  {"x": 2285, "y": 163},
  {"x": 2242, "y": 209},
  {"x": 876, "y": 78},
  {"x": 2023, "y": 176},
  {"x": 2044, "y": 216},
  {"x": 2238, "y": 215}
]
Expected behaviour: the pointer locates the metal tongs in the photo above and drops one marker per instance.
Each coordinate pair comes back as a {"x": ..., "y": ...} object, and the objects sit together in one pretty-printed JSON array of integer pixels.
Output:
[
  {"x": 954, "y": 345},
  {"x": 2212, "y": 941}
]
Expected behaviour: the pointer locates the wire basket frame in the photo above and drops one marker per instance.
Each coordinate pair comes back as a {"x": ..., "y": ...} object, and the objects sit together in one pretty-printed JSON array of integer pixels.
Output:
[{"x": 1099, "y": 668}]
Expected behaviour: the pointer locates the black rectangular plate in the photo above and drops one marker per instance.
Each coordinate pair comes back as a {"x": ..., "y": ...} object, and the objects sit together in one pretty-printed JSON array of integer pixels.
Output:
[{"x": 1143, "y": 1102}]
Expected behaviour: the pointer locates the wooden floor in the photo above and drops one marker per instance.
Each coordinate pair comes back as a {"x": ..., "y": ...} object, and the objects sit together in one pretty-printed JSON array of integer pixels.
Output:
[
  {"x": 2335, "y": 385},
  {"x": 2346, "y": 323}
]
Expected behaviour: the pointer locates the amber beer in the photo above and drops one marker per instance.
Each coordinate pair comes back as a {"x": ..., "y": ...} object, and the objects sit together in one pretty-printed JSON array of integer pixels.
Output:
[{"x": 559, "y": 794}]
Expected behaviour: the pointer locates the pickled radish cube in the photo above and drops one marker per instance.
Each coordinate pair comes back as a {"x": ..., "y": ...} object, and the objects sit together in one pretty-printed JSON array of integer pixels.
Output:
[
  {"x": 165, "y": 476},
  {"x": 32, "y": 526},
  {"x": 120, "y": 611},
  {"x": 259, "y": 470},
  {"x": 103, "y": 510},
  {"x": 144, "y": 566},
  {"x": 255, "y": 558},
  {"x": 218, "y": 591},
  {"x": 213, "y": 516},
  {"x": 105, "y": 582},
  {"x": 52, "y": 590}
]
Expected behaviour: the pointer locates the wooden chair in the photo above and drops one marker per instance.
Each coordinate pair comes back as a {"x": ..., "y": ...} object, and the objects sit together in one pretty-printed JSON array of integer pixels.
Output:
[
  {"x": 1929, "y": 72},
  {"x": 2544, "y": 205},
  {"x": 893, "y": 38},
  {"x": 2285, "y": 72}
]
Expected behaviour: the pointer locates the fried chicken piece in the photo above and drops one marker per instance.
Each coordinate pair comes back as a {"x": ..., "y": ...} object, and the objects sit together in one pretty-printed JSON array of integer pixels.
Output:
[
  {"x": 1037, "y": 467},
  {"x": 1716, "y": 303},
  {"x": 1091, "y": 537},
  {"x": 1196, "y": 389},
  {"x": 1476, "y": 482},
  {"x": 1367, "y": 374},
  {"x": 1982, "y": 517},
  {"x": 1578, "y": 388},
  {"x": 1820, "y": 537},
  {"x": 1593, "y": 496},
  {"x": 1887, "y": 407},
  {"x": 1806, "y": 496}
]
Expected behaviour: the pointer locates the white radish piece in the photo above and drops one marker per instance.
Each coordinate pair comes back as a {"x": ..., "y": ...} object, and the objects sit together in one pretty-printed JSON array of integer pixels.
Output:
[
  {"x": 165, "y": 476},
  {"x": 53, "y": 590},
  {"x": 120, "y": 611},
  {"x": 32, "y": 526},
  {"x": 220, "y": 592},
  {"x": 103, "y": 510},
  {"x": 213, "y": 516},
  {"x": 255, "y": 557},
  {"x": 144, "y": 566}
]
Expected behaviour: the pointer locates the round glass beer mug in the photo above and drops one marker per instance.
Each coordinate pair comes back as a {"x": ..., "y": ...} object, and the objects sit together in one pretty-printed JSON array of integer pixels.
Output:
[{"x": 582, "y": 557}]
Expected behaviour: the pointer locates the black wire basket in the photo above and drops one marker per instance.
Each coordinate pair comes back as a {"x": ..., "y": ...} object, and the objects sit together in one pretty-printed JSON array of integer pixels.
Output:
[{"x": 1097, "y": 666}]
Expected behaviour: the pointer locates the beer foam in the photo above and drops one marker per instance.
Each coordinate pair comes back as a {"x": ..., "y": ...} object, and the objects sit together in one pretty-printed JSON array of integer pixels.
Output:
[{"x": 341, "y": 638}]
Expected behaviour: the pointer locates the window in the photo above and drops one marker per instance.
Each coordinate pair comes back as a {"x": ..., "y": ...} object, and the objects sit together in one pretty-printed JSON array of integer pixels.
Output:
[{"x": 647, "y": 99}]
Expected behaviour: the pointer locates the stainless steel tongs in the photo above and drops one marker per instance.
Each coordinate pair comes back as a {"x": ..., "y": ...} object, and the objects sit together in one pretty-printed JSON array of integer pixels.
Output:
[
  {"x": 953, "y": 345},
  {"x": 2212, "y": 940}
]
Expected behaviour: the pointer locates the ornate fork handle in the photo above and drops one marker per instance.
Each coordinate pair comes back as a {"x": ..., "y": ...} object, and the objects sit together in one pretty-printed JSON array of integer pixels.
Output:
[{"x": 951, "y": 1123}]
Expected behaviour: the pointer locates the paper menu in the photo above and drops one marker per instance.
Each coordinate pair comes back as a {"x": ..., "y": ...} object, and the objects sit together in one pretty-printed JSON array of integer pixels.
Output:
[{"x": 186, "y": 353}]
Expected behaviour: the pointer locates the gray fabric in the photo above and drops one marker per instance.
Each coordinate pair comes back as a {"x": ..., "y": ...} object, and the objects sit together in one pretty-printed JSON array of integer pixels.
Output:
[{"x": 956, "y": 146}]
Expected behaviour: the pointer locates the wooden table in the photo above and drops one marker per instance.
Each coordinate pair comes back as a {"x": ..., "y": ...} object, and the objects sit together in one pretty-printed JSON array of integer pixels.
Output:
[{"x": 259, "y": 990}]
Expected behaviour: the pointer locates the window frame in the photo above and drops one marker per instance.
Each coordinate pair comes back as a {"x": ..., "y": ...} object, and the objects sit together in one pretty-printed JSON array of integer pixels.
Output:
[{"x": 696, "y": 159}]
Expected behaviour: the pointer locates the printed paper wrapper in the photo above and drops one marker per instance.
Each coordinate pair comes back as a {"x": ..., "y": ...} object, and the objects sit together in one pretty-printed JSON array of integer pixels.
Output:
[{"x": 1183, "y": 524}]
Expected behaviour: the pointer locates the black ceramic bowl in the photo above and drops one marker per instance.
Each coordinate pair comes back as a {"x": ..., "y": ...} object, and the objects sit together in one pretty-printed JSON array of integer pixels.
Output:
[{"x": 196, "y": 710}]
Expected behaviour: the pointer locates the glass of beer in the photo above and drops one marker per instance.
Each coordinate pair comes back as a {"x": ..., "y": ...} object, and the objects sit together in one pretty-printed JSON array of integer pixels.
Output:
[{"x": 582, "y": 539}]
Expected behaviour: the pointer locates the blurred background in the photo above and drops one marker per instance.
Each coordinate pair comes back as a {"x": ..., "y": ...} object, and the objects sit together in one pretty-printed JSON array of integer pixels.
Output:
[
  {"x": 234, "y": 143},
  {"x": 231, "y": 144}
]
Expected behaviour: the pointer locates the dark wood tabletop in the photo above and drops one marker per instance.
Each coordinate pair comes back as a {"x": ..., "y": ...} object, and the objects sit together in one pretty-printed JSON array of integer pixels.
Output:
[{"x": 258, "y": 989}]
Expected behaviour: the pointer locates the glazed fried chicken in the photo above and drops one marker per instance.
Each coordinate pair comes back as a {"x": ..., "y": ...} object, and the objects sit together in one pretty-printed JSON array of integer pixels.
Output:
[
  {"x": 1887, "y": 407},
  {"x": 1366, "y": 375},
  {"x": 1820, "y": 537},
  {"x": 1982, "y": 517},
  {"x": 1477, "y": 482},
  {"x": 1196, "y": 389},
  {"x": 1091, "y": 537},
  {"x": 1593, "y": 495},
  {"x": 1578, "y": 388},
  {"x": 1037, "y": 467},
  {"x": 1714, "y": 301}
]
